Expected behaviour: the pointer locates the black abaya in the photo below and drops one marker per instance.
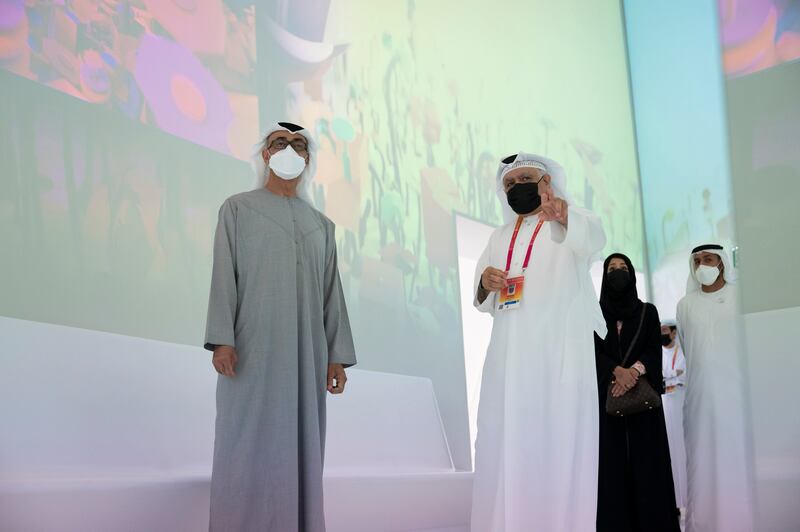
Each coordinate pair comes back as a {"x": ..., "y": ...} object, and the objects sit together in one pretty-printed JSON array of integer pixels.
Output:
[{"x": 635, "y": 492}]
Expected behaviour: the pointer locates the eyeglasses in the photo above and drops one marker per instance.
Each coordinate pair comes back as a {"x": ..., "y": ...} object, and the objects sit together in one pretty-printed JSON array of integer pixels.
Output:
[
  {"x": 523, "y": 178},
  {"x": 300, "y": 146}
]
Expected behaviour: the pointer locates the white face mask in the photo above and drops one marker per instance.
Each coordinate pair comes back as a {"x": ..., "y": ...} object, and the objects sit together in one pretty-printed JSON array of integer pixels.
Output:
[
  {"x": 706, "y": 275},
  {"x": 286, "y": 164}
]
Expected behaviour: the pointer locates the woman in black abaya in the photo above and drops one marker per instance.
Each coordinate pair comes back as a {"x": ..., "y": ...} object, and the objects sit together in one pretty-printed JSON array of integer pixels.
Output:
[{"x": 635, "y": 491}]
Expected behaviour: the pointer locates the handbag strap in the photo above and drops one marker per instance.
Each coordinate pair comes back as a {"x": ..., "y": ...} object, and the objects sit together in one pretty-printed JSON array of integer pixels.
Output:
[{"x": 636, "y": 336}]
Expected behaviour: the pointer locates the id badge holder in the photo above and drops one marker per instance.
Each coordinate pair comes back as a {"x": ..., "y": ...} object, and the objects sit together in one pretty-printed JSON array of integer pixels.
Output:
[{"x": 511, "y": 296}]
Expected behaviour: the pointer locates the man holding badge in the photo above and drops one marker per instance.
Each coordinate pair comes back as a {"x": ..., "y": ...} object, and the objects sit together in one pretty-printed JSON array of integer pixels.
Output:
[{"x": 537, "y": 444}]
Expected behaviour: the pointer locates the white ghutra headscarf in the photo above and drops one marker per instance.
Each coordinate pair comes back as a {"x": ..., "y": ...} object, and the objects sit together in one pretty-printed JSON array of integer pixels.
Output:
[
  {"x": 306, "y": 176},
  {"x": 729, "y": 274},
  {"x": 558, "y": 178}
]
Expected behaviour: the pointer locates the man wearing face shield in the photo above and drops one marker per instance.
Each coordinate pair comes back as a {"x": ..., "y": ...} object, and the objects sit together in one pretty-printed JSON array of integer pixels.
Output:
[
  {"x": 717, "y": 427},
  {"x": 280, "y": 334},
  {"x": 537, "y": 443}
]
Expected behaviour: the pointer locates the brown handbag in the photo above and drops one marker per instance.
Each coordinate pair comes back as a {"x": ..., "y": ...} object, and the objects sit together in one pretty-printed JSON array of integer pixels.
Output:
[{"x": 641, "y": 398}]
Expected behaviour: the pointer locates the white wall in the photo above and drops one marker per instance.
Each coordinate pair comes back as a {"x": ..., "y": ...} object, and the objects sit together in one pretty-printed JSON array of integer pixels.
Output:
[
  {"x": 472, "y": 237},
  {"x": 101, "y": 431},
  {"x": 774, "y": 365}
]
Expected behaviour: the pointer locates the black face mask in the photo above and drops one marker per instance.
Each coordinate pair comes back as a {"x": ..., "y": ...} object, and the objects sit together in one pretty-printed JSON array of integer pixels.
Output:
[
  {"x": 618, "y": 280},
  {"x": 524, "y": 198},
  {"x": 666, "y": 339}
]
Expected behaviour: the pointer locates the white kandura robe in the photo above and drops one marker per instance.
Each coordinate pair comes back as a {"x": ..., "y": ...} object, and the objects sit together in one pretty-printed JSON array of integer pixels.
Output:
[
  {"x": 537, "y": 443},
  {"x": 716, "y": 414},
  {"x": 673, "y": 415}
]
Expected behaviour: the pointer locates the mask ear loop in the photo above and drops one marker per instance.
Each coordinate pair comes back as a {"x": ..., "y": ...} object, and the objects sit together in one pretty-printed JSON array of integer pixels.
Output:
[
  {"x": 266, "y": 161},
  {"x": 548, "y": 196}
]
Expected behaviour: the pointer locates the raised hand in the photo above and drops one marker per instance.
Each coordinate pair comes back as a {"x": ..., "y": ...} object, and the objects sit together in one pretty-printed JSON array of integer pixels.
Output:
[{"x": 554, "y": 209}]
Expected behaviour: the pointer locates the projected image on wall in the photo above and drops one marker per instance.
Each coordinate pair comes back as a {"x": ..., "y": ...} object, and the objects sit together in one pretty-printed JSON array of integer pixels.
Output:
[
  {"x": 114, "y": 219},
  {"x": 764, "y": 123},
  {"x": 186, "y": 68},
  {"x": 758, "y": 34}
]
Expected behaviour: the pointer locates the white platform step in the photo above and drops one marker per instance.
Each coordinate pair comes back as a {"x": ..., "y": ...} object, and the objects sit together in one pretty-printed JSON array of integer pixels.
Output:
[{"x": 398, "y": 503}]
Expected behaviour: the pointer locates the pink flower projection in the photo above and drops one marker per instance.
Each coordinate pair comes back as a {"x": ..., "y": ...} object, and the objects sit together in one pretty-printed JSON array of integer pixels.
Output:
[{"x": 188, "y": 66}]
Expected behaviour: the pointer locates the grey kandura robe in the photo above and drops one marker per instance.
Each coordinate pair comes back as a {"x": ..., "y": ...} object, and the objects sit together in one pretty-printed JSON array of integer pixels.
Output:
[{"x": 277, "y": 298}]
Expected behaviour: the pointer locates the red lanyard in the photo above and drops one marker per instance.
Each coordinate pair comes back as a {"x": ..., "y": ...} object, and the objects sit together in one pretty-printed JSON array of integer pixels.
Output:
[
  {"x": 674, "y": 356},
  {"x": 530, "y": 245}
]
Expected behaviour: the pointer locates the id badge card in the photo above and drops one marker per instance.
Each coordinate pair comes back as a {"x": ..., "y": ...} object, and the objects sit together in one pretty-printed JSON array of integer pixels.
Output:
[{"x": 511, "y": 295}]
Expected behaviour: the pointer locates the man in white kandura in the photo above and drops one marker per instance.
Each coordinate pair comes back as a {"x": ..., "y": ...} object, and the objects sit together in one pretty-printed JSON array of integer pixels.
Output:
[
  {"x": 673, "y": 368},
  {"x": 537, "y": 444},
  {"x": 716, "y": 420}
]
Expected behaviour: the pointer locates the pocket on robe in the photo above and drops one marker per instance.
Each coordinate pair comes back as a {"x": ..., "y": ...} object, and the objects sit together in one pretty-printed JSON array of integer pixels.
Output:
[{"x": 577, "y": 358}]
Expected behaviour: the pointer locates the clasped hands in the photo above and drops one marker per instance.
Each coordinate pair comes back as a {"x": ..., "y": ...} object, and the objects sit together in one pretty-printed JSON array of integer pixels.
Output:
[{"x": 624, "y": 379}]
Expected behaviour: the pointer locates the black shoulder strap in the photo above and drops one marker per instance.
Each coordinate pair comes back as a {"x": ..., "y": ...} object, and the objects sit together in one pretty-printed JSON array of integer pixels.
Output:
[{"x": 636, "y": 337}]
